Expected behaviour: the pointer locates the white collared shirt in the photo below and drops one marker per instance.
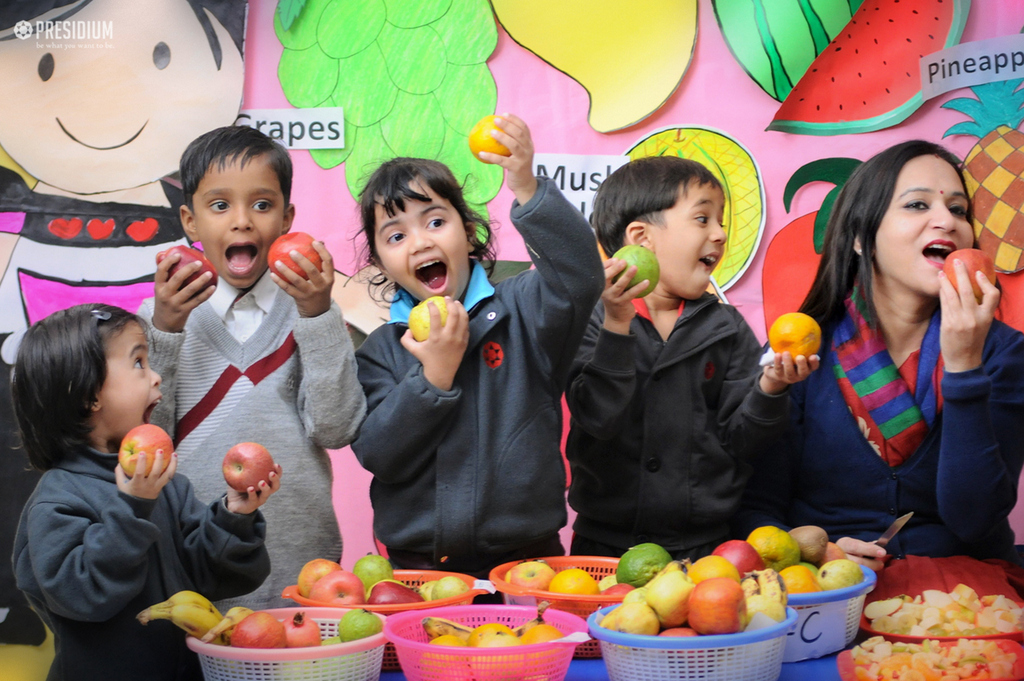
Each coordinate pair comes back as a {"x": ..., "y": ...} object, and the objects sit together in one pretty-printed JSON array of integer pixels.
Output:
[{"x": 243, "y": 316}]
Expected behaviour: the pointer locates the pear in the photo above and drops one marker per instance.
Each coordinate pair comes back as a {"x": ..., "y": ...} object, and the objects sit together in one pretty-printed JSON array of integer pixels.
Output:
[
  {"x": 668, "y": 594},
  {"x": 838, "y": 574}
]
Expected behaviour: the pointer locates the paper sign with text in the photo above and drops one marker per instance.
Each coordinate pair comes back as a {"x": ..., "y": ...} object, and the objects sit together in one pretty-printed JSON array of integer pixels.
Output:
[
  {"x": 578, "y": 176},
  {"x": 315, "y": 128},
  {"x": 967, "y": 64}
]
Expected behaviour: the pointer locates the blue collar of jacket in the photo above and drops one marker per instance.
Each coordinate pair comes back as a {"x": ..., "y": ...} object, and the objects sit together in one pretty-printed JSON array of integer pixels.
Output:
[{"x": 478, "y": 290}]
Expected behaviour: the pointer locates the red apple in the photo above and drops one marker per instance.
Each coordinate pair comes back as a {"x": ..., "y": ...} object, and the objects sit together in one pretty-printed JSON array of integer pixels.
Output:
[
  {"x": 246, "y": 464},
  {"x": 620, "y": 588},
  {"x": 718, "y": 606},
  {"x": 189, "y": 256},
  {"x": 976, "y": 261},
  {"x": 145, "y": 439},
  {"x": 259, "y": 630},
  {"x": 293, "y": 241},
  {"x": 740, "y": 553},
  {"x": 312, "y": 571},
  {"x": 301, "y": 631},
  {"x": 532, "y": 574},
  {"x": 678, "y": 631},
  {"x": 340, "y": 587},
  {"x": 387, "y": 591}
]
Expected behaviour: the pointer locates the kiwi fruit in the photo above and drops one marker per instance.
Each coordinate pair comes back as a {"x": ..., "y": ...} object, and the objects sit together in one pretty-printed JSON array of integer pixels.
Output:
[{"x": 812, "y": 541}]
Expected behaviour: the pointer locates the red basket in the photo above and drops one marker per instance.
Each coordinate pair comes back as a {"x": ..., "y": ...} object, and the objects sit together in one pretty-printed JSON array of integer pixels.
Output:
[
  {"x": 424, "y": 662},
  {"x": 578, "y": 604},
  {"x": 411, "y": 578}
]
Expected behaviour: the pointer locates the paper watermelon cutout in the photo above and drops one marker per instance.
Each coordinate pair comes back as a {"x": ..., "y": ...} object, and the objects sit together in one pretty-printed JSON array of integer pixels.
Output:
[{"x": 869, "y": 77}]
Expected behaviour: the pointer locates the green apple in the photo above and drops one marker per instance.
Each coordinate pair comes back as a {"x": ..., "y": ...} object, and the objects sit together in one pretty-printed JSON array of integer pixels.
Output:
[{"x": 372, "y": 568}]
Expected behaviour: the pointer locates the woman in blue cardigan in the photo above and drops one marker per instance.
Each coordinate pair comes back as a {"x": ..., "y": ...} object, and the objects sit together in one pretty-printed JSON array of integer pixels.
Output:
[{"x": 919, "y": 401}]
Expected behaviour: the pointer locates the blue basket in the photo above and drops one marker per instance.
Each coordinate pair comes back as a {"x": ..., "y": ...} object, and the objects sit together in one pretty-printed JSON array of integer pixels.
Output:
[
  {"x": 744, "y": 656},
  {"x": 828, "y": 620}
]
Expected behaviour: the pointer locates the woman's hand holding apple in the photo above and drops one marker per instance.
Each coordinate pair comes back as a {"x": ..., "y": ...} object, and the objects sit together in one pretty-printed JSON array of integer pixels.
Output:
[{"x": 965, "y": 319}]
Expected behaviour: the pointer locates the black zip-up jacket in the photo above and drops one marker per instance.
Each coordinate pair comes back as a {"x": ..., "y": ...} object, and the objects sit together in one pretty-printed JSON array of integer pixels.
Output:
[{"x": 664, "y": 431}]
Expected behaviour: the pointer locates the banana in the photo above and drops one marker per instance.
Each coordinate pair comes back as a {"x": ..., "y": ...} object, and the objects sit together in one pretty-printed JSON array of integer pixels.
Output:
[
  {"x": 194, "y": 619},
  {"x": 772, "y": 586},
  {"x": 539, "y": 619},
  {"x": 750, "y": 586},
  {"x": 162, "y": 610},
  {"x": 225, "y": 626},
  {"x": 438, "y": 626}
]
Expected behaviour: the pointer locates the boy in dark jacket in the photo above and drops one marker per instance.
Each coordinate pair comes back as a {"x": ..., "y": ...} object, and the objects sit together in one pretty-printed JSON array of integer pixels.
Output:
[{"x": 668, "y": 406}]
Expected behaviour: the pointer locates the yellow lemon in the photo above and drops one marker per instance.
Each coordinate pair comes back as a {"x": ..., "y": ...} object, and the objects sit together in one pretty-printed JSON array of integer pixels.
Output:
[{"x": 419, "y": 317}]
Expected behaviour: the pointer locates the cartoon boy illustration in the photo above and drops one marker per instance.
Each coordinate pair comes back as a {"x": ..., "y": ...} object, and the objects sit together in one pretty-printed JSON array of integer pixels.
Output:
[{"x": 103, "y": 97}]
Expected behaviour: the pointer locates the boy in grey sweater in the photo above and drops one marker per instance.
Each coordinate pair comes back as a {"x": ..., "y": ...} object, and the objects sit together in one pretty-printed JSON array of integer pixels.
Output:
[{"x": 264, "y": 356}]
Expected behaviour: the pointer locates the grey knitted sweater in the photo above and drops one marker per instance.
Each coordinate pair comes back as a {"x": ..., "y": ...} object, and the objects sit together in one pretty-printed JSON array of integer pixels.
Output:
[{"x": 293, "y": 388}]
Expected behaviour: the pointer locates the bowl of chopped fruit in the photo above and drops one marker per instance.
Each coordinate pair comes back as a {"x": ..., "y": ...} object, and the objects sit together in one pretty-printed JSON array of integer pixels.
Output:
[
  {"x": 943, "y": 616},
  {"x": 877, "y": 659}
]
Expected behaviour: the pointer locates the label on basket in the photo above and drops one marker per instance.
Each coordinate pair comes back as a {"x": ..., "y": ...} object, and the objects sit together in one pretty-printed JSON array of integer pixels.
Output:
[
  {"x": 574, "y": 637},
  {"x": 484, "y": 584},
  {"x": 820, "y": 630}
]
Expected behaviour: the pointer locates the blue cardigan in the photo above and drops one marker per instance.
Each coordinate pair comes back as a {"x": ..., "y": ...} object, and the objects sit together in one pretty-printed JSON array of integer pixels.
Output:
[{"x": 961, "y": 483}]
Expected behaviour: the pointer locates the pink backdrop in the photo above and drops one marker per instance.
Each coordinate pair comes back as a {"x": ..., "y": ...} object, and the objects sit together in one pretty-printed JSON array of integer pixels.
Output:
[{"x": 714, "y": 93}]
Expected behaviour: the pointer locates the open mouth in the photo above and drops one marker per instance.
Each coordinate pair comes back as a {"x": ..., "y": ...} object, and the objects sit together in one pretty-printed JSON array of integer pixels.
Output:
[
  {"x": 241, "y": 258},
  {"x": 434, "y": 275},
  {"x": 711, "y": 259},
  {"x": 149, "y": 412},
  {"x": 936, "y": 252}
]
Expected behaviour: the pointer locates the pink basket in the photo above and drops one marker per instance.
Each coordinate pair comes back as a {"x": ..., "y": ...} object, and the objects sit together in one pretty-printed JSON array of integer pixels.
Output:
[
  {"x": 424, "y": 662},
  {"x": 353, "y": 661}
]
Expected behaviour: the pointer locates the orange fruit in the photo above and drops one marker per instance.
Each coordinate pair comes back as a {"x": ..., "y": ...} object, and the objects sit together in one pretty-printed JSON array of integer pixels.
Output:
[
  {"x": 540, "y": 634},
  {"x": 712, "y": 566},
  {"x": 480, "y": 138},
  {"x": 795, "y": 333},
  {"x": 448, "y": 640},
  {"x": 799, "y": 580},
  {"x": 776, "y": 547},
  {"x": 485, "y": 632},
  {"x": 574, "y": 581}
]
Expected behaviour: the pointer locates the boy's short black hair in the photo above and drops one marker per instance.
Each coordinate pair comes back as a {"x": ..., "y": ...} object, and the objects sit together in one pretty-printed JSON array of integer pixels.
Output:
[
  {"x": 60, "y": 368},
  {"x": 642, "y": 190},
  {"x": 390, "y": 186},
  {"x": 224, "y": 146}
]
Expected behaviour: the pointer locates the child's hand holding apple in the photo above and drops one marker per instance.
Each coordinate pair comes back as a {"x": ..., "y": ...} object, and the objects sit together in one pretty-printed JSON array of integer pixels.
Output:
[{"x": 252, "y": 476}]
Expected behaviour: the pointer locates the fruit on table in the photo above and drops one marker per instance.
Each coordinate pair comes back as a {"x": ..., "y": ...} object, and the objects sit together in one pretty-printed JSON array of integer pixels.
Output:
[
  {"x": 800, "y": 580},
  {"x": 189, "y": 256},
  {"x": 532, "y": 574},
  {"x": 879, "y": 659},
  {"x": 246, "y": 465},
  {"x": 668, "y": 594},
  {"x": 638, "y": 565},
  {"x": 145, "y": 439},
  {"x": 838, "y": 574},
  {"x": 357, "y": 624},
  {"x": 633, "y": 618},
  {"x": 536, "y": 621},
  {"x": 259, "y": 630},
  {"x": 574, "y": 581},
  {"x": 188, "y": 610},
  {"x": 765, "y": 592},
  {"x": 493, "y": 635},
  {"x": 646, "y": 264},
  {"x": 226, "y": 626},
  {"x": 712, "y": 566},
  {"x": 301, "y": 631},
  {"x": 832, "y": 552},
  {"x": 767, "y": 606},
  {"x": 741, "y": 554},
  {"x": 372, "y": 568},
  {"x": 390, "y": 591},
  {"x": 419, "y": 317},
  {"x": 480, "y": 138},
  {"x": 542, "y": 633},
  {"x": 312, "y": 571},
  {"x": 718, "y": 606},
  {"x": 795, "y": 333},
  {"x": 340, "y": 587},
  {"x": 618, "y": 589},
  {"x": 438, "y": 626},
  {"x": 975, "y": 261},
  {"x": 283, "y": 246},
  {"x": 448, "y": 640},
  {"x": 448, "y": 586},
  {"x": 812, "y": 541},
  {"x": 678, "y": 631},
  {"x": 960, "y": 612},
  {"x": 776, "y": 547},
  {"x": 636, "y": 595}
]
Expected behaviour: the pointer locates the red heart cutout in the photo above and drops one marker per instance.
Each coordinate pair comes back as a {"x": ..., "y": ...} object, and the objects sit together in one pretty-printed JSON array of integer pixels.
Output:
[
  {"x": 100, "y": 229},
  {"x": 143, "y": 230},
  {"x": 65, "y": 229}
]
